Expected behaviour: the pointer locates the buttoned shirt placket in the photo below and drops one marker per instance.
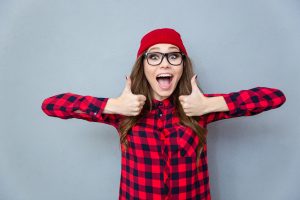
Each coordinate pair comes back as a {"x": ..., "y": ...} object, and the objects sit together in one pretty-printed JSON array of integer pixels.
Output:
[{"x": 161, "y": 122}]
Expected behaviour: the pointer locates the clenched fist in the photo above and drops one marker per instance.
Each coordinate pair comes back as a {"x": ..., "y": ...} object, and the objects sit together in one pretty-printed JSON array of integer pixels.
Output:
[{"x": 195, "y": 104}]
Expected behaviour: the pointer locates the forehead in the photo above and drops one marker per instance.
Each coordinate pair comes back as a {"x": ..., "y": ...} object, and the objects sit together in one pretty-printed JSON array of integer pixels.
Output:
[{"x": 163, "y": 46}]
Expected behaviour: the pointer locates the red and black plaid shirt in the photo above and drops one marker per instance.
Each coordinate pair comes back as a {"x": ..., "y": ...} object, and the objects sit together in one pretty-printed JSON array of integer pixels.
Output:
[{"x": 161, "y": 160}]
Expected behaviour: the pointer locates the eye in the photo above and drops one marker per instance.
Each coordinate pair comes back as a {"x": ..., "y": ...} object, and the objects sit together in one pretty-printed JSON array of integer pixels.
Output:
[
  {"x": 153, "y": 56},
  {"x": 174, "y": 56}
]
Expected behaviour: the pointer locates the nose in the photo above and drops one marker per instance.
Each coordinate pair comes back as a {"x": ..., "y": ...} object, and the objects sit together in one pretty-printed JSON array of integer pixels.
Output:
[{"x": 164, "y": 62}]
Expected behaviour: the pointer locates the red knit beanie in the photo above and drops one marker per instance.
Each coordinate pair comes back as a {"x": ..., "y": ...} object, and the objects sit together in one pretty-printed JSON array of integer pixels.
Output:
[{"x": 163, "y": 35}]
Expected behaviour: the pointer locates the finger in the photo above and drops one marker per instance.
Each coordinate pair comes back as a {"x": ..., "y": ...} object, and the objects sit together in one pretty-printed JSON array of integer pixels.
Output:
[
  {"x": 141, "y": 104},
  {"x": 141, "y": 98},
  {"x": 137, "y": 109},
  {"x": 183, "y": 105},
  {"x": 187, "y": 112},
  {"x": 141, "y": 107},
  {"x": 136, "y": 113},
  {"x": 182, "y": 98}
]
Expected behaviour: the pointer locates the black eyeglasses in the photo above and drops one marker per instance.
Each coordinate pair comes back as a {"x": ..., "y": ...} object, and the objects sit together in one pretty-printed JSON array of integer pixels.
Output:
[{"x": 155, "y": 58}]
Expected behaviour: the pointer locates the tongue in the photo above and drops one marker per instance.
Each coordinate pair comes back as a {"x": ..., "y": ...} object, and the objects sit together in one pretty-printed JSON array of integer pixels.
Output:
[{"x": 164, "y": 83}]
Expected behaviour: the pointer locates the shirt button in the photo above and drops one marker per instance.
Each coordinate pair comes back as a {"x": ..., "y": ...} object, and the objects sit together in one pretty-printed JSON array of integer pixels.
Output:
[
  {"x": 166, "y": 188},
  {"x": 182, "y": 152},
  {"x": 160, "y": 113},
  {"x": 95, "y": 113}
]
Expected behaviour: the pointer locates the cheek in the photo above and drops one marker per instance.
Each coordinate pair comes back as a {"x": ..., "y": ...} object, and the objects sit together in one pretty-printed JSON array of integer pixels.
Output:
[
  {"x": 146, "y": 71},
  {"x": 149, "y": 73},
  {"x": 179, "y": 72}
]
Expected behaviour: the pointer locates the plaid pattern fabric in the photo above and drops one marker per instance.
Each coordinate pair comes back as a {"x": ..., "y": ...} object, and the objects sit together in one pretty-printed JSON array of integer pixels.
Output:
[{"x": 161, "y": 160}]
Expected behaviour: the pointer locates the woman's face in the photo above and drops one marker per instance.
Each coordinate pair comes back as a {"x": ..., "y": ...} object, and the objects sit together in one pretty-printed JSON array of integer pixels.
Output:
[{"x": 162, "y": 88}]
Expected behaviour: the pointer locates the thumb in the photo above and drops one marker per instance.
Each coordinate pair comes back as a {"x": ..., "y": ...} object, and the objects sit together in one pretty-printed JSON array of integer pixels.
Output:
[
  {"x": 194, "y": 84},
  {"x": 128, "y": 85}
]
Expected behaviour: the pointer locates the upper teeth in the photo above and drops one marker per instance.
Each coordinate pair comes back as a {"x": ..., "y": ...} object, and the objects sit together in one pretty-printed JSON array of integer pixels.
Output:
[{"x": 164, "y": 75}]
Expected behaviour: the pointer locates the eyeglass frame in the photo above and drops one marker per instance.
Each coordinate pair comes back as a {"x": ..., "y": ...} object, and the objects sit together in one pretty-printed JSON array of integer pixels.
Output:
[{"x": 163, "y": 56}]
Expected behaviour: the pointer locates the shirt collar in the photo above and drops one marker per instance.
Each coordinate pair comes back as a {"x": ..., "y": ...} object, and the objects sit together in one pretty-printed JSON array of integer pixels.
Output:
[{"x": 166, "y": 103}]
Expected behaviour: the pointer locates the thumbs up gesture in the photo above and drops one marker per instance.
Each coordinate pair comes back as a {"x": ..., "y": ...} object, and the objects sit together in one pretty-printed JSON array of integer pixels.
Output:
[
  {"x": 196, "y": 103},
  {"x": 130, "y": 104}
]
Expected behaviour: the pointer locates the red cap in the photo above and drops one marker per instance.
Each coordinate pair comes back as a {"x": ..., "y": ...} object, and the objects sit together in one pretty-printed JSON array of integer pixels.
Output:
[{"x": 163, "y": 35}]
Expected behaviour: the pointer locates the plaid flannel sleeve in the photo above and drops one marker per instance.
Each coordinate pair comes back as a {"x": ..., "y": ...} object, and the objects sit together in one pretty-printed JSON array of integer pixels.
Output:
[
  {"x": 64, "y": 106},
  {"x": 247, "y": 103}
]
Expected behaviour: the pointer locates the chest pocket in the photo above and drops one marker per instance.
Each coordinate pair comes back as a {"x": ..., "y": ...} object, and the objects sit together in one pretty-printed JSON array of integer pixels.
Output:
[{"x": 187, "y": 141}]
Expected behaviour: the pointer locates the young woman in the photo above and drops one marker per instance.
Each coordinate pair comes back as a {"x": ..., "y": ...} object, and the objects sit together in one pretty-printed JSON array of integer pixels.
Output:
[{"x": 161, "y": 117}]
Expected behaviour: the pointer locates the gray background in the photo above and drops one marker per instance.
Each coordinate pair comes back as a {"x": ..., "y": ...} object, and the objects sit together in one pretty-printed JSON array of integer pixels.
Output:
[{"x": 87, "y": 47}]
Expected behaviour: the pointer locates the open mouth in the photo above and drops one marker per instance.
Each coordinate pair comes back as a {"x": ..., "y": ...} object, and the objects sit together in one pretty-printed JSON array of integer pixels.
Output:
[{"x": 164, "y": 80}]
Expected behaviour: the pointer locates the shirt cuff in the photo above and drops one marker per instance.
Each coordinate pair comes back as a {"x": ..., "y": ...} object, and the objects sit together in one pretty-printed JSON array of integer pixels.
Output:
[
  {"x": 232, "y": 102},
  {"x": 93, "y": 106}
]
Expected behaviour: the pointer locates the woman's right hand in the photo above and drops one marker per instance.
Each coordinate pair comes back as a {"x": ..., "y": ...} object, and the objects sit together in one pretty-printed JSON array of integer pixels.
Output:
[{"x": 127, "y": 103}]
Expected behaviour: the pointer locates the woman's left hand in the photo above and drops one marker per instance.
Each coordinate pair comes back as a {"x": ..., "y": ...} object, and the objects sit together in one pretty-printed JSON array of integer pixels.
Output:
[{"x": 195, "y": 104}]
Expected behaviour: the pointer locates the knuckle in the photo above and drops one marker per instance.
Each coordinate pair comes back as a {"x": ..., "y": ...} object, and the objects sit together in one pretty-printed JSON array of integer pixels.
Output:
[
  {"x": 132, "y": 113},
  {"x": 142, "y": 98}
]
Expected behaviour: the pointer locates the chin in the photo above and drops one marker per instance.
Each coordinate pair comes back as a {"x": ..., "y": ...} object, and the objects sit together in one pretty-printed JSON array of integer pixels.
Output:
[{"x": 164, "y": 94}]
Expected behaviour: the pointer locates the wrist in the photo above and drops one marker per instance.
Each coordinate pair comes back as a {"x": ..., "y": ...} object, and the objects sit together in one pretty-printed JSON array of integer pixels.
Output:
[
  {"x": 216, "y": 104},
  {"x": 112, "y": 106}
]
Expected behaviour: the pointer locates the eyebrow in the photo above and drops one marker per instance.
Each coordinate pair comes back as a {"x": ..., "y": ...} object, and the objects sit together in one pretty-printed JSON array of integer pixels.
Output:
[{"x": 153, "y": 48}]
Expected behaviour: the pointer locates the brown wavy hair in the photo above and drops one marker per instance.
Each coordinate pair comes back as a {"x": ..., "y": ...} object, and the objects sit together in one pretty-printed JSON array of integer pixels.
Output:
[{"x": 140, "y": 85}]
